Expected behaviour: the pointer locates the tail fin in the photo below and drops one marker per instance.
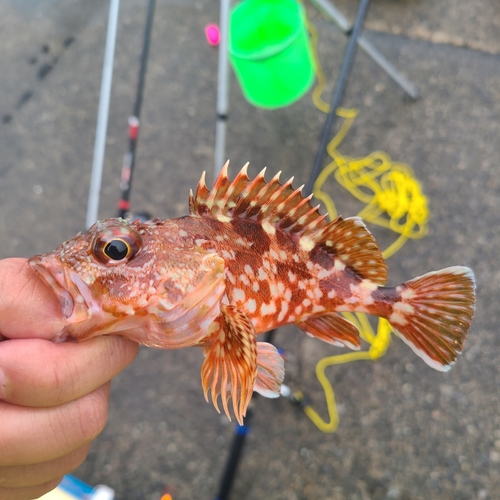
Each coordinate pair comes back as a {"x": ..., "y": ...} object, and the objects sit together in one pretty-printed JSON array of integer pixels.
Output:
[{"x": 434, "y": 313}]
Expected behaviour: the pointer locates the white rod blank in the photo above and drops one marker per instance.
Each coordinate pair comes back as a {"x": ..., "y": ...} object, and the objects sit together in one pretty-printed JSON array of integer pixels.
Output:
[{"x": 102, "y": 115}]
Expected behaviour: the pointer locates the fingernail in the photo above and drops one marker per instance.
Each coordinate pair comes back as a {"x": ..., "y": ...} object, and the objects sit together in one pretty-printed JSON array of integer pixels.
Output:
[{"x": 3, "y": 384}]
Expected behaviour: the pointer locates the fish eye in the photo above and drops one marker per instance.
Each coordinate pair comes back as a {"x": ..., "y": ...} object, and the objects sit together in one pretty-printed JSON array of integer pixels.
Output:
[
  {"x": 117, "y": 249},
  {"x": 115, "y": 245}
]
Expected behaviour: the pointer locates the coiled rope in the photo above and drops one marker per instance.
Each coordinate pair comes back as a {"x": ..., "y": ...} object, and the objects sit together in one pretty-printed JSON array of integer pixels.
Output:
[{"x": 393, "y": 199}]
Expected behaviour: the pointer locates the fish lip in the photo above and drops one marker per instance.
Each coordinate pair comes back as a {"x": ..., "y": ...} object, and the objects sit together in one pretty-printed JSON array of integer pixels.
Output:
[{"x": 51, "y": 272}]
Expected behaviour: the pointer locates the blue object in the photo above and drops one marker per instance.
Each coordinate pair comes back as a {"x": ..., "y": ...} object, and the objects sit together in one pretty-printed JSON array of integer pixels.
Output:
[
  {"x": 242, "y": 430},
  {"x": 75, "y": 487},
  {"x": 72, "y": 488}
]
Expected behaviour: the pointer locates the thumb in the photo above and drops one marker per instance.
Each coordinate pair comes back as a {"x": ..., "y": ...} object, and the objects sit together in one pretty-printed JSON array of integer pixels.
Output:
[{"x": 28, "y": 308}]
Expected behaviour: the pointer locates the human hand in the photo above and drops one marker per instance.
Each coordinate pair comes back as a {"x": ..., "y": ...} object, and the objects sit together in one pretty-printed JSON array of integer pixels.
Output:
[{"x": 53, "y": 396}]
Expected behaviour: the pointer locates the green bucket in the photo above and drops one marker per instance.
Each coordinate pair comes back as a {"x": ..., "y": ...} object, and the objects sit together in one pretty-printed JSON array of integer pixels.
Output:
[{"x": 270, "y": 53}]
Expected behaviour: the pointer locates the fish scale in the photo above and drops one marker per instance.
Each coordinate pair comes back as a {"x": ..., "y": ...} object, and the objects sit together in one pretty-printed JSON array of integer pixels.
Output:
[
  {"x": 251, "y": 256},
  {"x": 258, "y": 259}
]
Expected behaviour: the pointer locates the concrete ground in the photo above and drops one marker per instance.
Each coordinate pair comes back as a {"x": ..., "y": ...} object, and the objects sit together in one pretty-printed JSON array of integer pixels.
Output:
[{"x": 406, "y": 431}]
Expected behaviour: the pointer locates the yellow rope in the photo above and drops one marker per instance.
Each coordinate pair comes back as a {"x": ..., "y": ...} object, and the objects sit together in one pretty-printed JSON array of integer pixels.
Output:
[
  {"x": 393, "y": 199},
  {"x": 379, "y": 344},
  {"x": 392, "y": 196}
]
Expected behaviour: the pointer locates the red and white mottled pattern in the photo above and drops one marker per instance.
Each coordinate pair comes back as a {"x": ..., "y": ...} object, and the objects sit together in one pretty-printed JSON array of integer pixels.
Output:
[{"x": 251, "y": 256}]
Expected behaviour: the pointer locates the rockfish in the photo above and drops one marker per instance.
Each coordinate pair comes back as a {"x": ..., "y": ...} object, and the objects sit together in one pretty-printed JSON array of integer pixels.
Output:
[{"x": 251, "y": 256}]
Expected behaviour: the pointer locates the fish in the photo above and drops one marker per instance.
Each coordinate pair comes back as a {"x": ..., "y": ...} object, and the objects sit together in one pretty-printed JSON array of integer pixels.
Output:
[{"x": 251, "y": 256}]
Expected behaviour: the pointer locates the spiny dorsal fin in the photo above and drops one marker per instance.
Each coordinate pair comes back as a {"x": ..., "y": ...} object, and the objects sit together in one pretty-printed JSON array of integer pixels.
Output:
[{"x": 285, "y": 208}]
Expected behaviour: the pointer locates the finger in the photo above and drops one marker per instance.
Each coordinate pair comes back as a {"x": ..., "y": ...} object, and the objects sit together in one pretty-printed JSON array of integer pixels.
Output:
[
  {"x": 42, "y": 373},
  {"x": 30, "y": 492},
  {"x": 35, "y": 435},
  {"x": 18, "y": 476},
  {"x": 28, "y": 308}
]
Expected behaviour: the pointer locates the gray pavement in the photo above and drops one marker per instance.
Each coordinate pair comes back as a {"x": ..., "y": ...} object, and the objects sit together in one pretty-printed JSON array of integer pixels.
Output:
[{"x": 406, "y": 432}]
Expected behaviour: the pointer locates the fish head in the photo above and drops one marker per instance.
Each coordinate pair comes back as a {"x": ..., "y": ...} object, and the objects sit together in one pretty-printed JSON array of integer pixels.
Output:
[{"x": 136, "y": 279}]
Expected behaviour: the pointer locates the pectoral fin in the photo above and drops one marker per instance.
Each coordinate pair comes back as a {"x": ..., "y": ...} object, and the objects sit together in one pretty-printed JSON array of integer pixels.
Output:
[
  {"x": 270, "y": 371},
  {"x": 230, "y": 366}
]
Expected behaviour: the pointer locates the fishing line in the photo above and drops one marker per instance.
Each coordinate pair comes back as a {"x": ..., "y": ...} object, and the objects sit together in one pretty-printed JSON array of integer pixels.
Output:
[{"x": 393, "y": 199}]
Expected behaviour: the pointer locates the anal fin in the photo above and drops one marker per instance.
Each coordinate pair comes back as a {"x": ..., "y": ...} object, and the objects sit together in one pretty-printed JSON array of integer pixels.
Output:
[
  {"x": 331, "y": 328},
  {"x": 270, "y": 371},
  {"x": 230, "y": 365}
]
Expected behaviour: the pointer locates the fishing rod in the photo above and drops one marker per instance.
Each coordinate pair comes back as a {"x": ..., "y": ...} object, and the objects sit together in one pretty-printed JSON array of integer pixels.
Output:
[
  {"x": 102, "y": 114},
  {"x": 338, "y": 93},
  {"x": 134, "y": 119}
]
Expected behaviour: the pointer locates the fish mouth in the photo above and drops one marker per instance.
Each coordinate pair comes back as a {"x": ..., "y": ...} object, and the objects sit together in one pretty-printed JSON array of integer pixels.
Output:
[{"x": 71, "y": 291}]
